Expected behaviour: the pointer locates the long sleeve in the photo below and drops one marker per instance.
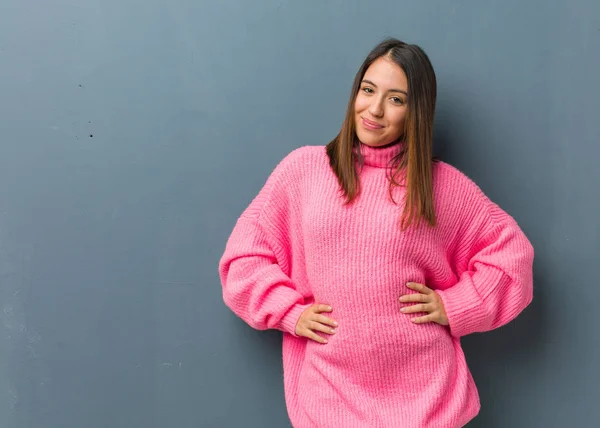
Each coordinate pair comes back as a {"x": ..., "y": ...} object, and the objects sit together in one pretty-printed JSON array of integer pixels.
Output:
[
  {"x": 255, "y": 265},
  {"x": 254, "y": 286},
  {"x": 494, "y": 261},
  {"x": 299, "y": 243}
]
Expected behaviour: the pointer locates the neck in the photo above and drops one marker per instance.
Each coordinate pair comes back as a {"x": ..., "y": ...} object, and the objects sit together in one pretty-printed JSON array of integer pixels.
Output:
[{"x": 379, "y": 157}]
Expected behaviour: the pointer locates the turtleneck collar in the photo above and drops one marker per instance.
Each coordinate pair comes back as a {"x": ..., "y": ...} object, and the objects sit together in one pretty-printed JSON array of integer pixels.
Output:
[{"x": 379, "y": 157}]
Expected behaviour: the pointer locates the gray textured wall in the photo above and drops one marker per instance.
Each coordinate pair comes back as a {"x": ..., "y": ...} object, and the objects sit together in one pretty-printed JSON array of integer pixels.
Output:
[{"x": 133, "y": 133}]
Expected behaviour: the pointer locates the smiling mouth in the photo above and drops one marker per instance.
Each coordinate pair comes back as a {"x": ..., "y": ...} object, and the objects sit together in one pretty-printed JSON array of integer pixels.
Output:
[{"x": 370, "y": 125}]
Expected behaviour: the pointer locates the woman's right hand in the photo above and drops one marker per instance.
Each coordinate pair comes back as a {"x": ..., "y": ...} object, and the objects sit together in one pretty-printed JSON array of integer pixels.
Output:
[{"x": 311, "y": 321}]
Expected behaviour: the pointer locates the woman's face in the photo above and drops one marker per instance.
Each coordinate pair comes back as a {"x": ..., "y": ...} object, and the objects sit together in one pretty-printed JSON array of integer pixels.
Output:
[{"x": 381, "y": 104}]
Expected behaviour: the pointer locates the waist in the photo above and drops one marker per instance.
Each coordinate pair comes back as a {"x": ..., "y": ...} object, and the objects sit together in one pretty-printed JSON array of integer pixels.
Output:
[{"x": 383, "y": 348}]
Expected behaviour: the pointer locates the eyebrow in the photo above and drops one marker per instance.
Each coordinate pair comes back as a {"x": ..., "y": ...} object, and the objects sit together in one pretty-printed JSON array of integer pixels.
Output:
[{"x": 391, "y": 90}]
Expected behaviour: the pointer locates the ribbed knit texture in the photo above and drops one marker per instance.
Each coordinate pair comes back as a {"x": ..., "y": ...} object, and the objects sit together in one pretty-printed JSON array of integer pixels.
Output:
[{"x": 297, "y": 244}]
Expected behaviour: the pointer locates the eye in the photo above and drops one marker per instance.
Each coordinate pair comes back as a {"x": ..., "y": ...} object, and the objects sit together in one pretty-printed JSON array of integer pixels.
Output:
[
  {"x": 367, "y": 90},
  {"x": 397, "y": 100}
]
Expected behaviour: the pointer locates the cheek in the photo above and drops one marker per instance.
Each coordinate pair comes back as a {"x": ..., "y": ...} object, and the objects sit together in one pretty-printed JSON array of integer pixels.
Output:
[
  {"x": 397, "y": 119},
  {"x": 360, "y": 104}
]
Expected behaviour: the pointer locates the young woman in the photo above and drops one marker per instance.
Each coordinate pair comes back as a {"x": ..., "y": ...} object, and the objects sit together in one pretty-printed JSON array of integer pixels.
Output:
[{"x": 374, "y": 260}]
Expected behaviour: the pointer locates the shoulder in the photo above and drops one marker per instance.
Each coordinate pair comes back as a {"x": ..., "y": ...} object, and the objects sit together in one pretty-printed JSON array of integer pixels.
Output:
[
  {"x": 450, "y": 175},
  {"x": 286, "y": 180},
  {"x": 457, "y": 196},
  {"x": 301, "y": 159},
  {"x": 450, "y": 182},
  {"x": 459, "y": 199}
]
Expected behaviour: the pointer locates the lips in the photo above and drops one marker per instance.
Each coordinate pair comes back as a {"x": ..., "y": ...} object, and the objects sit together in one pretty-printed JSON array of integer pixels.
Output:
[{"x": 371, "y": 125}]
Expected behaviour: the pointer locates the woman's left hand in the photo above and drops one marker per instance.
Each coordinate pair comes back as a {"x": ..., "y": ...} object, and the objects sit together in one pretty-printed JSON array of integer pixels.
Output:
[{"x": 428, "y": 301}]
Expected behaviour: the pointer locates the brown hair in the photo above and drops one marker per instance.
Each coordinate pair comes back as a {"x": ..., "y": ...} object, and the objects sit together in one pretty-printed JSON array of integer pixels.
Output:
[{"x": 416, "y": 160}]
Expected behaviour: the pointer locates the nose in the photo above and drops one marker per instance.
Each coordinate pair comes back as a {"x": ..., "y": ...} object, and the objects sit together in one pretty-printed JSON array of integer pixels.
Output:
[{"x": 376, "y": 108}]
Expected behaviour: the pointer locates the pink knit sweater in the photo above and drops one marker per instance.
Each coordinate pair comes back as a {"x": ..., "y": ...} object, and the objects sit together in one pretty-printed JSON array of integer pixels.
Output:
[{"x": 297, "y": 244}]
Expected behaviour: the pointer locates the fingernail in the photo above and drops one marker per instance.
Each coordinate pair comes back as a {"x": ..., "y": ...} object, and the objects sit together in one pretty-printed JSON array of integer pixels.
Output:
[
  {"x": 335, "y": 323},
  {"x": 328, "y": 308},
  {"x": 325, "y": 341},
  {"x": 403, "y": 310},
  {"x": 333, "y": 330}
]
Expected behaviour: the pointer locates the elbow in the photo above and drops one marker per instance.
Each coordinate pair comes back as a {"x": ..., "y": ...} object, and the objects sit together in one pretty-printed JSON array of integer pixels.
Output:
[
  {"x": 528, "y": 290},
  {"x": 517, "y": 295},
  {"x": 524, "y": 290},
  {"x": 527, "y": 275},
  {"x": 239, "y": 305},
  {"x": 526, "y": 296},
  {"x": 522, "y": 273}
]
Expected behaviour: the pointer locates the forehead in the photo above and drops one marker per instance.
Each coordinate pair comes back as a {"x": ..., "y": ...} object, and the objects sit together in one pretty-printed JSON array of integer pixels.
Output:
[{"x": 385, "y": 73}]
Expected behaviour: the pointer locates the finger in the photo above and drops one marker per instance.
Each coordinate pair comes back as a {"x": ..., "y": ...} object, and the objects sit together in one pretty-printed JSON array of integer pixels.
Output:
[
  {"x": 419, "y": 298},
  {"x": 416, "y": 308},
  {"x": 322, "y": 308},
  {"x": 314, "y": 336},
  {"x": 424, "y": 319},
  {"x": 421, "y": 288},
  {"x": 320, "y": 327},
  {"x": 325, "y": 320}
]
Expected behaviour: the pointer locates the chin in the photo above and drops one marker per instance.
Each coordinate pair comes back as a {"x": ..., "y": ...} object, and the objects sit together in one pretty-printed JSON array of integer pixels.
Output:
[
  {"x": 373, "y": 142},
  {"x": 366, "y": 139}
]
